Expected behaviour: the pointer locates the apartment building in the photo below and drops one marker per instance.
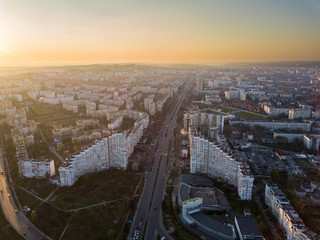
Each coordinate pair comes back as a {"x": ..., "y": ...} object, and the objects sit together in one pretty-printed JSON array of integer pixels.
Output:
[
  {"x": 110, "y": 152},
  {"x": 274, "y": 111},
  {"x": 39, "y": 168},
  {"x": 276, "y": 125},
  {"x": 312, "y": 142},
  {"x": 115, "y": 123},
  {"x": 150, "y": 105},
  {"x": 235, "y": 94},
  {"x": 285, "y": 214},
  {"x": 118, "y": 150},
  {"x": 84, "y": 123},
  {"x": 161, "y": 102},
  {"x": 70, "y": 106},
  {"x": 92, "y": 159},
  {"x": 209, "y": 158},
  {"x": 30, "y": 168},
  {"x": 129, "y": 103},
  {"x": 302, "y": 113},
  {"x": 205, "y": 117},
  {"x": 18, "y": 118}
]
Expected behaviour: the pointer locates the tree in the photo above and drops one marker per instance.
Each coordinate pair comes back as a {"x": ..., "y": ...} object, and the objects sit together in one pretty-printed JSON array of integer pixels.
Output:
[
  {"x": 126, "y": 228},
  {"x": 164, "y": 205},
  {"x": 227, "y": 130},
  {"x": 110, "y": 234},
  {"x": 132, "y": 205},
  {"x": 61, "y": 148}
]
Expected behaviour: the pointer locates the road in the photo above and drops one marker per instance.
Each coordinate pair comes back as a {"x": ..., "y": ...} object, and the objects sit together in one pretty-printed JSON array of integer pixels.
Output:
[
  {"x": 150, "y": 203},
  {"x": 17, "y": 220},
  {"x": 51, "y": 148}
]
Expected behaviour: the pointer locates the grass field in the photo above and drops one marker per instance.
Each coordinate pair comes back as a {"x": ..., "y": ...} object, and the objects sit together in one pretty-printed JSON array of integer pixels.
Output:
[
  {"x": 248, "y": 115},
  {"x": 95, "y": 223},
  {"x": 94, "y": 188},
  {"x": 6, "y": 231},
  {"x": 48, "y": 114},
  {"x": 226, "y": 109},
  {"x": 49, "y": 220},
  {"x": 27, "y": 199},
  {"x": 40, "y": 110}
]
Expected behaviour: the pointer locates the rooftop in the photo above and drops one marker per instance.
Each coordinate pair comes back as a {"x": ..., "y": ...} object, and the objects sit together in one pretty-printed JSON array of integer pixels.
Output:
[
  {"x": 248, "y": 227},
  {"x": 211, "y": 223}
]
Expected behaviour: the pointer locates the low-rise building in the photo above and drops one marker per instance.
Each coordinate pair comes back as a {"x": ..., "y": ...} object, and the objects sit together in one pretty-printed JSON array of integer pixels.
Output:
[
  {"x": 276, "y": 125},
  {"x": 40, "y": 168},
  {"x": 247, "y": 228}
]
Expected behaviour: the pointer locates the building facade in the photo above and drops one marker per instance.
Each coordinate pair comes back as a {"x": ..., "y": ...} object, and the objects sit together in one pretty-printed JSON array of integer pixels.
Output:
[
  {"x": 209, "y": 158},
  {"x": 285, "y": 214},
  {"x": 36, "y": 168},
  {"x": 109, "y": 152}
]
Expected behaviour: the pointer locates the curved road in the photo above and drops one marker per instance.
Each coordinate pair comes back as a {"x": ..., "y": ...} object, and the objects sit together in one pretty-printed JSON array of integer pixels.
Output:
[{"x": 16, "y": 219}]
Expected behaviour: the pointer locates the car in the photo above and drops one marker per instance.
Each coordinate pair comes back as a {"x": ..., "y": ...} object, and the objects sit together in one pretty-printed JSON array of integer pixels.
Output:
[
  {"x": 16, "y": 211},
  {"x": 28, "y": 227}
]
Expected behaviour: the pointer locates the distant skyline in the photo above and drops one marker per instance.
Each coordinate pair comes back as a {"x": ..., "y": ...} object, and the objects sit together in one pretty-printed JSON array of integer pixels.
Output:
[{"x": 68, "y": 32}]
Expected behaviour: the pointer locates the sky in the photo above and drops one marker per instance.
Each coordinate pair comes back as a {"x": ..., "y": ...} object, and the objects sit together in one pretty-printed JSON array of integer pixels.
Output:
[{"x": 44, "y": 32}]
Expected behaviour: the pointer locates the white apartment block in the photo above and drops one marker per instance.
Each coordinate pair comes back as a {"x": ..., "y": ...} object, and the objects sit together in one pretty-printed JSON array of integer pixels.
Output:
[
  {"x": 312, "y": 142},
  {"x": 210, "y": 118},
  {"x": 93, "y": 159},
  {"x": 108, "y": 107},
  {"x": 208, "y": 158},
  {"x": 161, "y": 103},
  {"x": 36, "y": 168},
  {"x": 235, "y": 94},
  {"x": 118, "y": 150},
  {"x": 115, "y": 123},
  {"x": 83, "y": 123},
  {"x": 110, "y": 152},
  {"x": 299, "y": 113},
  {"x": 285, "y": 214},
  {"x": 17, "y": 118},
  {"x": 129, "y": 103},
  {"x": 280, "y": 125},
  {"x": 150, "y": 106},
  {"x": 70, "y": 106},
  {"x": 51, "y": 101},
  {"x": 273, "y": 111},
  {"x": 90, "y": 106}
]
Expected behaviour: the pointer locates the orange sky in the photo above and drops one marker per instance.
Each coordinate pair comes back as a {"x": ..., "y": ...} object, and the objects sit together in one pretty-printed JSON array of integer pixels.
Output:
[{"x": 78, "y": 31}]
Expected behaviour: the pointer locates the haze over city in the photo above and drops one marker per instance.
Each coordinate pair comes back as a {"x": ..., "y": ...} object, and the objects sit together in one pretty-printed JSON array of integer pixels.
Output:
[
  {"x": 160, "y": 120},
  {"x": 208, "y": 32}
]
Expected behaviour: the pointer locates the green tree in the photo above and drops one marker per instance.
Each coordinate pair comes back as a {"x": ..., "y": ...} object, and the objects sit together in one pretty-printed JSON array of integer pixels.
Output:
[
  {"x": 110, "y": 234},
  {"x": 61, "y": 148}
]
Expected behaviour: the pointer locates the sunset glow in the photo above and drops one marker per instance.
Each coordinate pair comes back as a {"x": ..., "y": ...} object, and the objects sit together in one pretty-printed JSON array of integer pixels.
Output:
[{"x": 67, "y": 32}]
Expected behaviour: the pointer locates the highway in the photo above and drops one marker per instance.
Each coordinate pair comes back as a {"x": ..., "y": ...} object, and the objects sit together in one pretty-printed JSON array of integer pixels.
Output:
[
  {"x": 14, "y": 215},
  {"x": 150, "y": 203}
]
